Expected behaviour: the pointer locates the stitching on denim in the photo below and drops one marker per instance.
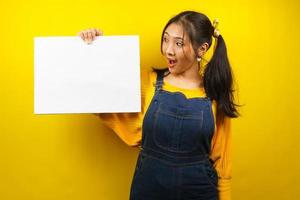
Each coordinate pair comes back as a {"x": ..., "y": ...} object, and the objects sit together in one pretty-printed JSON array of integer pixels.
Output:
[
  {"x": 198, "y": 116},
  {"x": 176, "y": 164},
  {"x": 204, "y": 156}
]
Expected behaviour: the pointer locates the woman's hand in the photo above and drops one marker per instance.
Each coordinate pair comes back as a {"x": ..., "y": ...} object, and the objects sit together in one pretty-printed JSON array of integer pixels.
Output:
[{"x": 89, "y": 35}]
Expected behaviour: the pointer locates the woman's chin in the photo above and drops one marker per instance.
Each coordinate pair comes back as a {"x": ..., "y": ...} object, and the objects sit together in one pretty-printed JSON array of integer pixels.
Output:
[{"x": 171, "y": 69}]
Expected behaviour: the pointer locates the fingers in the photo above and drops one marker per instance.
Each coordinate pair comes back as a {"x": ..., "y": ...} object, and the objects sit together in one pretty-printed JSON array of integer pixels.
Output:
[
  {"x": 89, "y": 35},
  {"x": 99, "y": 32},
  {"x": 80, "y": 34}
]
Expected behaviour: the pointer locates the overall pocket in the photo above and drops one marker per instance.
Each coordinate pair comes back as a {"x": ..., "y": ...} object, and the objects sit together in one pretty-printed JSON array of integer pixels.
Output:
[
  {"x": 211, "y": 174},
  {"x": 177, "y": 129}
]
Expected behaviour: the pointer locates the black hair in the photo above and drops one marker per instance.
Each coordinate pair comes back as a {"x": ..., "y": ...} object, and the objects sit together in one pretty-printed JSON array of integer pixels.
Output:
[{"x": 218, "y": 76}]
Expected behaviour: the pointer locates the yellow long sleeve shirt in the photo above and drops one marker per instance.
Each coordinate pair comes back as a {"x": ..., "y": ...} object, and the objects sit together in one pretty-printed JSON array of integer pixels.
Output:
[{"x": 128, "y": 126}]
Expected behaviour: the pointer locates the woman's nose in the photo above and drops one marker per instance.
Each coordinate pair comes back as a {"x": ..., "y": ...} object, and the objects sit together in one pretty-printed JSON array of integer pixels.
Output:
[{"x": 170, "y": 50}]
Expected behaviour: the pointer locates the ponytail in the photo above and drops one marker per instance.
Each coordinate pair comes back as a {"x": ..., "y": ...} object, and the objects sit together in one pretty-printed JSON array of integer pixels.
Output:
[{"x": 218, "y": 81}]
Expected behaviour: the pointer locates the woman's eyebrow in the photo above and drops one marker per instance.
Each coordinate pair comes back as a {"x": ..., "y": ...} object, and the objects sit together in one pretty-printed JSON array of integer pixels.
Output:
[{"x": 174, "y": 37}]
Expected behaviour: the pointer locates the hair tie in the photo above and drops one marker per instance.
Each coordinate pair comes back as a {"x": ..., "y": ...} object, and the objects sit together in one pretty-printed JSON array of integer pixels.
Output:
[{"x": 216, "y": 30}]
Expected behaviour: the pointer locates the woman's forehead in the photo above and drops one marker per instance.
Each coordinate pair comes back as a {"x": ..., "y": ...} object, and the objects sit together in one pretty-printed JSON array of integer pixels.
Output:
[{"x": 175, "y": 31}]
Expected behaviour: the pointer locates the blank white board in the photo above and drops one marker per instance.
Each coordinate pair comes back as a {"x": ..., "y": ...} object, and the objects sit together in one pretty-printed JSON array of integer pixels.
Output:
[{"x": 71, "y": 76}]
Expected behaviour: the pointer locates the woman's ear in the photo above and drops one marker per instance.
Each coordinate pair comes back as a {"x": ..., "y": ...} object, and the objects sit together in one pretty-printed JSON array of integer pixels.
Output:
[{"x": 202, "y": 49}]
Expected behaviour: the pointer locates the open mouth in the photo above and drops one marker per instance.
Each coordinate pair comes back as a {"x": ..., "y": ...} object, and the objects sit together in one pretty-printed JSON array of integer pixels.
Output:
[{"x": 172, "y": 62}]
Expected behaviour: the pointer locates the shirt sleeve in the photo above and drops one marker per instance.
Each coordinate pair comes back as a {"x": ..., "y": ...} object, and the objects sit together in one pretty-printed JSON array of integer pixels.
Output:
[
  {"x": 221, "y": 155},
  {"x": 128, "y": 126}
]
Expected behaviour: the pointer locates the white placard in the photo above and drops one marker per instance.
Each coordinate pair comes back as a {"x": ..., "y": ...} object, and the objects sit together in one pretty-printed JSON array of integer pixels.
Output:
[{"x": 71, "y": 76}]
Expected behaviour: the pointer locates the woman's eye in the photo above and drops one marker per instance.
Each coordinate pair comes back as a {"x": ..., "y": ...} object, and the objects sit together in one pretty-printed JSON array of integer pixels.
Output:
[
  {"x": 165, "y": 39},
  {"x": 179, "y": 44}
]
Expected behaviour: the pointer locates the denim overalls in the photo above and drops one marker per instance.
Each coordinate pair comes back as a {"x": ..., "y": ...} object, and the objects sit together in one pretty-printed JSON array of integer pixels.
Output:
[{"x": 174, "y": 163}]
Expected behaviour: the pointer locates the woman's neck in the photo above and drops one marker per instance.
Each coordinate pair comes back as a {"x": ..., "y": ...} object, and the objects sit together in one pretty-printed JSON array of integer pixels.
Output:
[{"x": 189, "y": 80}]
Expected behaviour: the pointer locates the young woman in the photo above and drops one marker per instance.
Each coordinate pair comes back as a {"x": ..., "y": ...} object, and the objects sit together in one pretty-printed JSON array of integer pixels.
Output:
[{"x": 183, "y": 130}]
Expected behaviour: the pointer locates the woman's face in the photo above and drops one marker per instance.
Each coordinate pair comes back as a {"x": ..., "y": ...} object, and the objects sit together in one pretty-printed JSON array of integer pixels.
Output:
[{"x": 178, "y": 51}]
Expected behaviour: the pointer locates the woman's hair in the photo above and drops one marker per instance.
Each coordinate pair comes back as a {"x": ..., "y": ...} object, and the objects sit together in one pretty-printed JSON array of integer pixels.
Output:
[{"x": 218, "y": 77}]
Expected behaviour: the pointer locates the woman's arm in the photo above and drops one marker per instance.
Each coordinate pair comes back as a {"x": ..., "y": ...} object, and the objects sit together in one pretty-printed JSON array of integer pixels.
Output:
[
  {"x": 221, "y": 155},
  {"x": 126, "y": 125}
]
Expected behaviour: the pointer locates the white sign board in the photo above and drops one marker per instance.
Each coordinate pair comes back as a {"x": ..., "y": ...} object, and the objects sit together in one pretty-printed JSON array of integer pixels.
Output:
[{"x": 71, "y": 76}]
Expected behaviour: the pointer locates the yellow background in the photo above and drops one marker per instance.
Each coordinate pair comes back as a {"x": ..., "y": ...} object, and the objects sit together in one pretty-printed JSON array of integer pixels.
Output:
[{"x": 76, "y": 157}]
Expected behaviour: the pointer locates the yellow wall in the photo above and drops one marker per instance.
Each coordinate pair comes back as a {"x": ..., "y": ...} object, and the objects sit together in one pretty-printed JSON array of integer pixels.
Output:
[{"x": 76, "y": 157}]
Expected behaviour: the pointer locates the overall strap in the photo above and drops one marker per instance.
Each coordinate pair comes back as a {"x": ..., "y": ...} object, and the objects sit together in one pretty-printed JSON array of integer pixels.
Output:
[{"x": 159, "y": 79}]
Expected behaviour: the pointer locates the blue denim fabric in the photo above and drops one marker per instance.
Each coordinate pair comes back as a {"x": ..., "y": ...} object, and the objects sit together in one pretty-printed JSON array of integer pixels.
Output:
[{"x": 174, "y": 163}]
